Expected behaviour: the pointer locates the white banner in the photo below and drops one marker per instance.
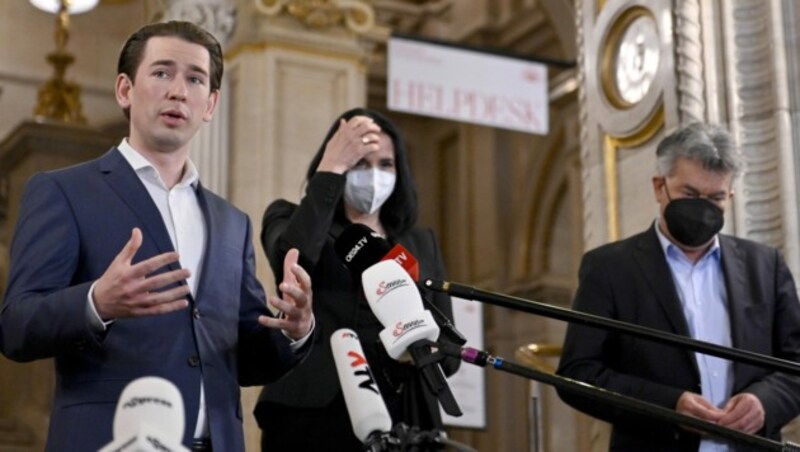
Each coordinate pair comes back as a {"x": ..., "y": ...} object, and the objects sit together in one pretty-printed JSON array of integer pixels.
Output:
[{"x": 469, "y": 86}]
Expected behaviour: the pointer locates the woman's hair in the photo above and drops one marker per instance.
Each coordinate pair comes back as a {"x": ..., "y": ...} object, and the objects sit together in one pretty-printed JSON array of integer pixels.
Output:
[{"x": 399, "y": 212}]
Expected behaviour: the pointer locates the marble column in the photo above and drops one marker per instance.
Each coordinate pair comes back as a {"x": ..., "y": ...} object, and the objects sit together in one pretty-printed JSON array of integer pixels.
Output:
[
  {"x": 761, "y": 67},
  {"x": 209, "y": 148},
  {"x": 288, "y": 81},
  {"x": 289, "y": 77}
]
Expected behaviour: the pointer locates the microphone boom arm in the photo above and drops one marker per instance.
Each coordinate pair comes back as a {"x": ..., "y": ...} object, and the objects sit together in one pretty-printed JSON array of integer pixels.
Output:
[
  {"x": 569, "y": 315},
  {"x": 483, "y": 359}
]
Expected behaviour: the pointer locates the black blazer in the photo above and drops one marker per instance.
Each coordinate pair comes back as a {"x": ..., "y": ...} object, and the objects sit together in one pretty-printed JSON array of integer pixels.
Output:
[
  {"x": 312, "y": 227},
  {"x": 631, "y": 281}
]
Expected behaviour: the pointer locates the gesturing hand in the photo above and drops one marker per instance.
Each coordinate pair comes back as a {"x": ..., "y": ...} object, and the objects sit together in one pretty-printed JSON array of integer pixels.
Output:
[
  {"x": 127, "y": 290},
  {"x": 297, "y": 318}
]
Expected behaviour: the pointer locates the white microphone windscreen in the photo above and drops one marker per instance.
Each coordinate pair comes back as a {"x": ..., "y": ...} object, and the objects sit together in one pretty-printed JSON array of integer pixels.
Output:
[
  {"x": 365, "y": 405},
  {"x": 153, "y": 401},
  {"x": 391, "y": 292}
]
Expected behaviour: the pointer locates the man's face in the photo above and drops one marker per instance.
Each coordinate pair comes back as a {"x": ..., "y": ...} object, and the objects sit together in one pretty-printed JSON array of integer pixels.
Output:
[
  {"x": 691, "y": 180},
  {"x": 171, "y": 96}
]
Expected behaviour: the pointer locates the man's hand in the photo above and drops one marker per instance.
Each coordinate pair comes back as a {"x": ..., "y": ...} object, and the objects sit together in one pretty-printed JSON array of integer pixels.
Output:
[
  {"x": 297, "y": 318},
  {"x": 743, "y": 412},
  {"x": 694, "y": 405},
  {"x": 127, "y": 290}
]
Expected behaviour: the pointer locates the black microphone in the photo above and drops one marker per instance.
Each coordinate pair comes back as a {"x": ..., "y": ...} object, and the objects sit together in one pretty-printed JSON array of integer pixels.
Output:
[{"x": 360, "y": 247}]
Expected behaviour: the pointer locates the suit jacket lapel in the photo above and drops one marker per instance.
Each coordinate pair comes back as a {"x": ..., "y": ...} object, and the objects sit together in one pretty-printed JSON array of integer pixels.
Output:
[
  {"x": 124, "y": 181},
  {"x": 213, "y": 229},
  {"x": 738, "y": 292},
  {"x": 656, "y": 272}
]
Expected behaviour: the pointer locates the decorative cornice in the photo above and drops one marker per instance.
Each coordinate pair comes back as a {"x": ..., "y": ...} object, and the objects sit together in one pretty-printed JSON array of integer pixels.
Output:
[
  {"x": 356, "y": 15},
  {"x": 216, "y": 16}
]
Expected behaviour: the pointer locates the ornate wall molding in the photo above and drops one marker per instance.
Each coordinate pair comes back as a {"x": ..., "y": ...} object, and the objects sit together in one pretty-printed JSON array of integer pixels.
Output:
[
  {"x": 752, "y": 100},
  {"x": 357, "y": 16},
  {"x": 216, "y": 16},
  {"x": 689, "y": 58},
  {"x": 587, "y": 152},
  {"x": 786, "y": 22},
  {"x": 626, "y": 60}
]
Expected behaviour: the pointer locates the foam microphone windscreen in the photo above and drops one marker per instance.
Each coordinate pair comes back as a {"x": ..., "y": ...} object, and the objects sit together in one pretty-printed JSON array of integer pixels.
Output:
[
  {"x": 396, "y": 302},
  {"x": 368, "y": 413},
  {"x": 359, "y": 247},
  {"x": 153, "y": 401}
]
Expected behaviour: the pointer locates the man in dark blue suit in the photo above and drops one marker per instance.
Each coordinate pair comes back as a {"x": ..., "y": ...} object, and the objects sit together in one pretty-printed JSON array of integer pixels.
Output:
[
  {"x": 126, "y": 266},
  {"x": 684, "y": 277}
]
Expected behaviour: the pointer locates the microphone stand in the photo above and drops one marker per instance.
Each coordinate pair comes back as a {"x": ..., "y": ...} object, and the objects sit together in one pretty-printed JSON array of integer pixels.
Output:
[
  {"x": 484, "y": 359},
  {"x": 444, "y": 322},
  {"x": 569, "y": 315},
  {"x": 427, "y": 362}
]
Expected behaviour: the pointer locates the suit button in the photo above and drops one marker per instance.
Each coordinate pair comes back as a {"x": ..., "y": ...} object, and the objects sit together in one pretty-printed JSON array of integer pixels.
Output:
[
  {"x": 196, "y": 313},
  {"x": 193, "y": 361}
]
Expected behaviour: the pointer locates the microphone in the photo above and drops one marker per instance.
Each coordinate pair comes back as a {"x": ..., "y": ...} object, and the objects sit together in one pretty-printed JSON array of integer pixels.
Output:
[
  {"x": 368, "y": 414},
  {"x": 402, "y": 256},
  {"x": 396, "y": 302},
  {"x": 148, "y": 418},
  {"x": 360, "y": 247}
]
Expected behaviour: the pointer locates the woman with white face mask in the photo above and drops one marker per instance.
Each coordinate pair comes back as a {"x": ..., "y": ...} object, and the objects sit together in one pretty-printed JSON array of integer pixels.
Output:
[{"x": 360, "y": 174}]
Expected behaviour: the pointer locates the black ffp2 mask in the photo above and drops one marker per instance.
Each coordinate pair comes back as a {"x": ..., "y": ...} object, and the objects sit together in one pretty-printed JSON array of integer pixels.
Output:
[{"x": 693, "y": 221}]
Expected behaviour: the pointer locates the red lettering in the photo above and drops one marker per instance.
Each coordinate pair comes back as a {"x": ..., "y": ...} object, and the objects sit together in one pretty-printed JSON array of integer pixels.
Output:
[{"x": 357, "y": 359}]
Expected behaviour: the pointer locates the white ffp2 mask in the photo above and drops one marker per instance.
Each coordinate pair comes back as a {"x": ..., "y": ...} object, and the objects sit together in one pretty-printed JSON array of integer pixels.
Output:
[{"x": 367, "y": 189}]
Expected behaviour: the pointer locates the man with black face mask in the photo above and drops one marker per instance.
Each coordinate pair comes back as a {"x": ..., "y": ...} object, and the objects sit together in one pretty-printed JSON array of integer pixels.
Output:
[{"x": 682, "y": 276}]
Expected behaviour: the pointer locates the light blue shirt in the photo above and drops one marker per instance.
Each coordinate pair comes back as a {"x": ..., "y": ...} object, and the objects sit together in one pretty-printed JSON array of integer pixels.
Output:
[{"x": 701, "y": 289}]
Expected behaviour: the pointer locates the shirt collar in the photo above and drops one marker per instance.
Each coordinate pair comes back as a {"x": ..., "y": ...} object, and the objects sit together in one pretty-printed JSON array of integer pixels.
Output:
[
  {"x": 668, "y": 247},
  {"x": 144, "y": 168}
]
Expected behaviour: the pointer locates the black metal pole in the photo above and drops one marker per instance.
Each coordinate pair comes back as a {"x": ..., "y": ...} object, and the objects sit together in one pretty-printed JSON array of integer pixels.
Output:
[
  {"x": 555, "y": 312},
  {"x": 484, "y": 359}
]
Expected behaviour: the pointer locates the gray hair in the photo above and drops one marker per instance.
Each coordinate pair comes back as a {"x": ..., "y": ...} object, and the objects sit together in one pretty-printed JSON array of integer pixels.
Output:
[{"x": 709, "y": 144}]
